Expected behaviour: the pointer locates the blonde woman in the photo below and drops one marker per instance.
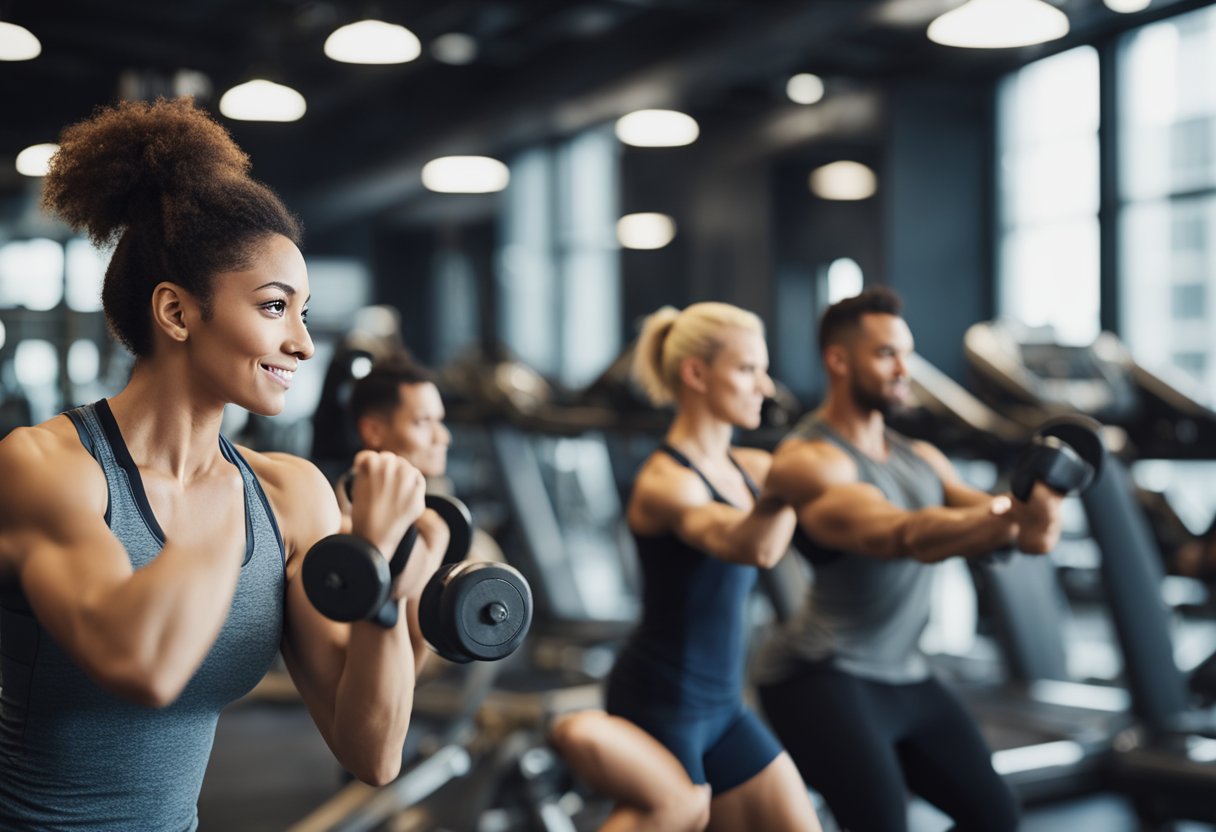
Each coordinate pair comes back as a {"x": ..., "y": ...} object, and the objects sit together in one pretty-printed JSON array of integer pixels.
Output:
[{"x": 677, "y": 747}]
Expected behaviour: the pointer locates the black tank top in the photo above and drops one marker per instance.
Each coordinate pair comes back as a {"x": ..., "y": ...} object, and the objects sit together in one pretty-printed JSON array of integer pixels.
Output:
[{"x": 689, "y": 649}]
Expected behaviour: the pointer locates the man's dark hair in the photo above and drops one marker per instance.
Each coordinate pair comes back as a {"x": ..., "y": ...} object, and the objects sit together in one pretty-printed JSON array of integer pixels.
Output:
[
  {"x": 845, "y": 315},
  {"x": 379, "y": 392}
]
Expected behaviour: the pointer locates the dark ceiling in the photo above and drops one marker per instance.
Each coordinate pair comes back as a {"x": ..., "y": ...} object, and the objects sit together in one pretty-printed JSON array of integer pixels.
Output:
[{"x": 545, "y": 68}]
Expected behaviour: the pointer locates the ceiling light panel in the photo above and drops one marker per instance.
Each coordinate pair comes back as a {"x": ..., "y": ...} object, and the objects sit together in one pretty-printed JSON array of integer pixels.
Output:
[
  {"x": 646, "y": 231},
  {"x": 999, "y": 24},
  {"x": 262, "y": 100},
  {"x": 848, "y": 181},
  {"x": 465, "y": 175},
  {"x": 657, "y": 128},
  {"x": 18, "y": 43},
  {"x": 372, "y": 42}
]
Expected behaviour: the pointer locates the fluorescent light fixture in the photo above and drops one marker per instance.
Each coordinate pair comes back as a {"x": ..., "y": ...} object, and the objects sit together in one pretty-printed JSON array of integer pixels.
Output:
[
  {"x": 372, "y": 42},
  {"x": 1035, "y": 757},
  {"x": 1077, "y": 695},
  {"x": 1201, "y": 749},
  {"x": 360, "y": 366},
  {"x": 645, "y": 231},
  {"x": 3, "y": 335},
  {"x": 262, "y": 100},
  {"x": 1127, "y": 6},
  {"x": 465, "y": 175},
  {"x": 999, "y": 24},
  {"x": 18, "y": 43},
  {"x": 804, "y": 88},
  {"x": 31, "y": 273},
  {"x": 36, "y": 363},
  {"x": 35, "y": 160},
  {"x": 84, "y": 273},
  {"x": 84, "y": 361},
  {"x": 846, "y": 181},
  {"x": 657, "y": 128},
  {"x": 454, "y": 48},
  {"x": 845, "y": 279}
]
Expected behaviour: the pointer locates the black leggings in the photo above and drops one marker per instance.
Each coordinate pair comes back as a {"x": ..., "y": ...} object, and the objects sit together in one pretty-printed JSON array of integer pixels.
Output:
[{"x": 863, "y": 745}]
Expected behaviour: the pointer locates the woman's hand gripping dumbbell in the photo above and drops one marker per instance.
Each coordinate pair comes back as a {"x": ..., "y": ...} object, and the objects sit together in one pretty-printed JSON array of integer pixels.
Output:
[{"x": 468, "y": 610}]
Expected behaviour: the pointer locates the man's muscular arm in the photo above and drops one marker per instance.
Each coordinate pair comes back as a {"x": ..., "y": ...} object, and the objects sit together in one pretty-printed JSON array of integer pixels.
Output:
[{"x": 839, "y": 512}]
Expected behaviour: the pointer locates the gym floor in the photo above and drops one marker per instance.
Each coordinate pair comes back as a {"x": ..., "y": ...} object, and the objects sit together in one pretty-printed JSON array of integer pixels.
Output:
[{"x": 270, "y": 768}]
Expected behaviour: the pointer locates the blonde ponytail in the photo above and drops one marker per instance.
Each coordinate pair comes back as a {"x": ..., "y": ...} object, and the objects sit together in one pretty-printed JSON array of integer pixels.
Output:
[{"x": 669, "y": 336}]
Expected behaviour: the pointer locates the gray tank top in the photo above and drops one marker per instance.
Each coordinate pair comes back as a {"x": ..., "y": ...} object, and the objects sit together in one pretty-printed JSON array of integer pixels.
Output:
[
  {"x": 72, "y": 755},
  {"x": 864, "y": 615}
]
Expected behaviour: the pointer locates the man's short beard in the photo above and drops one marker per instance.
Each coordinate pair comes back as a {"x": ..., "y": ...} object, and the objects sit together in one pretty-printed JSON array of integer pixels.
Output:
[{"x": 872, "y": 402}]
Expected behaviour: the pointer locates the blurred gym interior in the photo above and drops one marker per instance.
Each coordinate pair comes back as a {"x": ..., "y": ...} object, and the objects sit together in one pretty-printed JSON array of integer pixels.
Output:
[{"x": 501, "y": 200}]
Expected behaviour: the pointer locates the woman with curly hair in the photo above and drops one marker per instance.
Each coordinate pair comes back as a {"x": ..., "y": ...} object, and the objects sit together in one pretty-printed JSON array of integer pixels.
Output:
[{"x": 149, "y": 569}]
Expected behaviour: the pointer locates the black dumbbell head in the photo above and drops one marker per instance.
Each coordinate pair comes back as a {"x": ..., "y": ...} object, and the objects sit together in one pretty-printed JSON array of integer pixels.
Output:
[
  {"x": 345, "y": 578},
  {"x": 1083, "y": 435},
  {"x": 1066, "y": 455},
  {"x": 431, "y": 619},
  {"x": 476, "y": 611}
]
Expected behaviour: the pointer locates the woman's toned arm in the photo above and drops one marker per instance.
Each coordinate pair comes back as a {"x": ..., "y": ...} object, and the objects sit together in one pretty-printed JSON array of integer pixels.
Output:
[
  {"x": 356, "y": 679},
  {"x": 140, "y": 634},
  {"x": 669, "y": 497}
]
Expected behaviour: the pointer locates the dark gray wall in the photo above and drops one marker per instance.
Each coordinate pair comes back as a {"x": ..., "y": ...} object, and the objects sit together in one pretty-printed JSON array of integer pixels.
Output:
[
  {"x": 937, "y": 215},
  {"x": 751, "y": 233}
]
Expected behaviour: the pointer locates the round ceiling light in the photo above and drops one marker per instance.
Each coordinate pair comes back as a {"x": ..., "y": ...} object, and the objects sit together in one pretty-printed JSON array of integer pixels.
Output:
[
  {"x": 262, "y": 100},
  {"x": 804, "y": 88},
  {"x": 657, "y": 128},
  {"x": 465, "y": 175},
  {"x": 647, "y": 231},
  {"x": 847, "y": 181},
  {"x": 372, "y": 42},
  {"x": 999, "y": 24},
  {"x": 35, "y": 160},
  {"x": 18, "y": 43}
]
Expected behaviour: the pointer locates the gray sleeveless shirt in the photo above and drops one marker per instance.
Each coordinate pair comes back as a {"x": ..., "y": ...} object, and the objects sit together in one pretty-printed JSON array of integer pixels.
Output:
[
  {"x": 864, "y": 615},
  {"x": 72, "y": 755}
]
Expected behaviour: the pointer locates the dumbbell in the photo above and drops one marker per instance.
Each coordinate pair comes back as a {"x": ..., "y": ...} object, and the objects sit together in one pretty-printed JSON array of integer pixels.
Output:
[
  {"x": 469, "y": 611},
  {"x": 1065, "y": 454},
  {"x": 475, "y": 611}
]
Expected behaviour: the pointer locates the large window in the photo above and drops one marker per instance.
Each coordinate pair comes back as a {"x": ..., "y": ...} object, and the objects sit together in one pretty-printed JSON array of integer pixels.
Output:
[
  {"x": 558, "y": 266},
  {"x": 1167, "y": 221},
  {"x": 1048, "y": 180}
]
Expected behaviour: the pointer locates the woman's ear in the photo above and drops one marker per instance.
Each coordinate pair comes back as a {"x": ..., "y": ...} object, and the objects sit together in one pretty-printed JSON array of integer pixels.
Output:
[
  {"x": 694, "y": 374},
  {"x": 172, "y": 308}
]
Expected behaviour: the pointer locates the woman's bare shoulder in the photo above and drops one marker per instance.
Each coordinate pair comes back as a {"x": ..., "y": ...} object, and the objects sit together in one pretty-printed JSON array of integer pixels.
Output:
[{"x": 302, "y": 498}]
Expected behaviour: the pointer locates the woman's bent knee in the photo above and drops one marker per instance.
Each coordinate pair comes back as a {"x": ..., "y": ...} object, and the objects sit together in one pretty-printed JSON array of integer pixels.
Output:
[{"x": 687, "y": 810}]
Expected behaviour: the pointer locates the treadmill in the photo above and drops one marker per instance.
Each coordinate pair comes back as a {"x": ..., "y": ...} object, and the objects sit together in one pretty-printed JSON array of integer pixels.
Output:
[
  {"x": 1052, "y": 736},
  {"x": 1166, "y": 762},
  {"x": 1031, "y": 379}
]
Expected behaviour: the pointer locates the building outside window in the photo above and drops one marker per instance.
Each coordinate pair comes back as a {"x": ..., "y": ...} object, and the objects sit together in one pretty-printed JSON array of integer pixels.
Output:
[
  {"x": 1167, "y": 193},
  {"x": 1048, "y": 196}
]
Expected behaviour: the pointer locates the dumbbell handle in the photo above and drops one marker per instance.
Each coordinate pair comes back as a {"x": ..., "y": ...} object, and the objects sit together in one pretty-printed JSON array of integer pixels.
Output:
[
  {"x": 1065, "y": 471},
  {"x": 388, "y": 615},
  {"x": 1055, "y": 464},
  {"x": 453, "y": 513}
]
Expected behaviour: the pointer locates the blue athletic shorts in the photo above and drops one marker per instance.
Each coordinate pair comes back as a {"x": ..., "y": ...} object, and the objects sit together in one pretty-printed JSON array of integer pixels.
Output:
[{"x": 724, "y": 748}]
